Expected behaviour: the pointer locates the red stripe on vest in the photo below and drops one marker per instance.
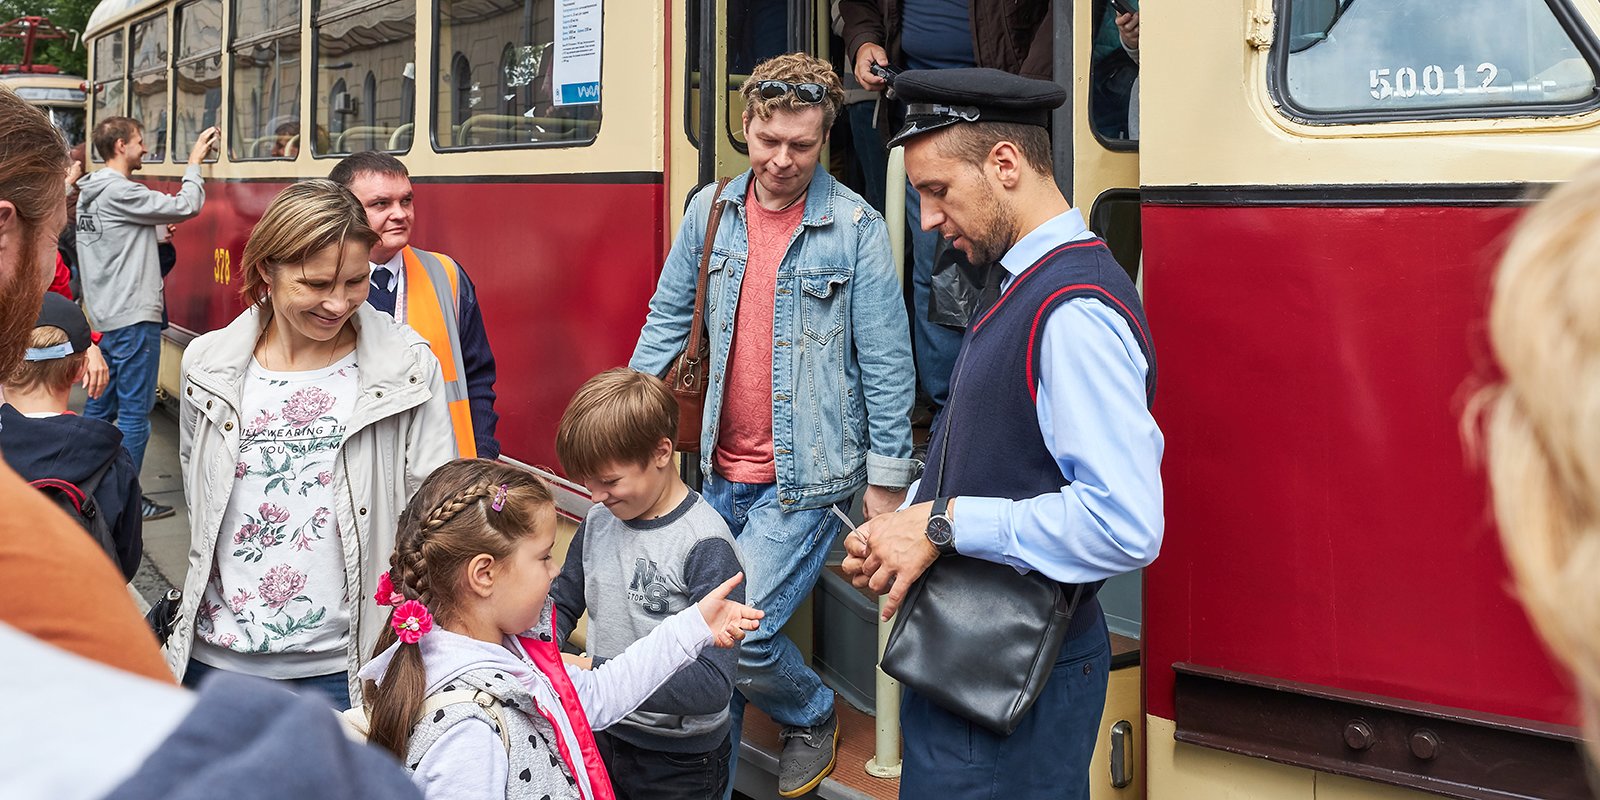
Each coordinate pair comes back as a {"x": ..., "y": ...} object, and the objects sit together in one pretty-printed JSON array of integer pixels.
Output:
[
  {"x": 1033, "y": 331},
  {"x": 1029, "y": 271},
  {"x": 547, "y": 657}
]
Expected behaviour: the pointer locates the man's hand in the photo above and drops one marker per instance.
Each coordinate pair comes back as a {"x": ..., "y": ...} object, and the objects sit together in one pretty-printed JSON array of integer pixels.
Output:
[
  {"x": 1127, "y": 27},
  {"x": 878, "y": 500},
  {"x": 96, "y": 374},
  {"x": 204, "y": 143},
  {"x": 890, "y": 553},
  {"x": 867, "y": 55},
  {"x": 74, "y": 172}
]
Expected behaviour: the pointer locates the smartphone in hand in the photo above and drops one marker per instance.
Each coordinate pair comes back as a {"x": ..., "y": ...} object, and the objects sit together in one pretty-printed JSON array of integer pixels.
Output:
[{"x": 1123, "y": 7}]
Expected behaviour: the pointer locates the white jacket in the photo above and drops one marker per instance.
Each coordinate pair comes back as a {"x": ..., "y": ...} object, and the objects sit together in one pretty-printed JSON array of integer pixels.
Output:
[{"x": 399, "y": 432}]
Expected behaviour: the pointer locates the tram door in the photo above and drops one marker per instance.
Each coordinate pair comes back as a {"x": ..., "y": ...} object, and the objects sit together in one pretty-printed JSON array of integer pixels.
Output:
[
  {"x": 1096, "y": 142},
  {"x": 1326, "y": 187}
]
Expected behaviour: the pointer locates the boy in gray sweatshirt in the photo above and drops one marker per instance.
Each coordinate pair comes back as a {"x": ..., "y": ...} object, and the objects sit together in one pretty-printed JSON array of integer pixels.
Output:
[
  {"x": 649, "y": 548},
  {"x": 121, "y": 273}
]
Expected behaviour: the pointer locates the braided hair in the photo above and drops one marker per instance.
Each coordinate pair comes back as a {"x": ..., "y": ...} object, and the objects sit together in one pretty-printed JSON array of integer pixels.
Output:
[{"x": 449, "y": 521}]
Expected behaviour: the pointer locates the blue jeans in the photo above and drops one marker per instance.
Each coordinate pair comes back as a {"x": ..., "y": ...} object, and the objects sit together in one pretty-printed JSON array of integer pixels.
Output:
[
  {"x": 783, "y": 555},
  {"x": 334, "y": 686},
  {"x": 934, "y": 345},
  {"x": 868, "y": 145},
  {"x": 1046, "y": 757},
  {"x": 134, "y": 355}
]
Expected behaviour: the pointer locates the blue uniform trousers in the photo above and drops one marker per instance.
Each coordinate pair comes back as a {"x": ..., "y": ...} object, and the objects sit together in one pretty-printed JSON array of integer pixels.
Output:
[{"x": 1046, "y": 757}]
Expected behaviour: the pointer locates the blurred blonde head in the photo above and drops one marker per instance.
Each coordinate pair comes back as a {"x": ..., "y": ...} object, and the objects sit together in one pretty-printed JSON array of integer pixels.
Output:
[{"x": 1543, "y": 422}]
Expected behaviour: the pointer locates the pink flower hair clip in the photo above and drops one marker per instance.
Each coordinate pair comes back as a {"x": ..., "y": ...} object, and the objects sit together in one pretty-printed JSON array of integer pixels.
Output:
[
  {"x": 410, "y": 621},
  {"x": 386, "y": 595},
  {"x": 499, "y": 503}
]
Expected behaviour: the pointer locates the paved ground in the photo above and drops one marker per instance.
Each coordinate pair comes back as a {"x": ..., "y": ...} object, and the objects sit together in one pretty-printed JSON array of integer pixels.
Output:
[{"x": 166, "y": 541}]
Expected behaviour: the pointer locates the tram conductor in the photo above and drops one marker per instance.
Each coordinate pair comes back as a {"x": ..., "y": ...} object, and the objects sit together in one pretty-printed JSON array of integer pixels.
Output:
[
  {"x": 431, "y": 293},
  {"x": 1047, "y": 458}
]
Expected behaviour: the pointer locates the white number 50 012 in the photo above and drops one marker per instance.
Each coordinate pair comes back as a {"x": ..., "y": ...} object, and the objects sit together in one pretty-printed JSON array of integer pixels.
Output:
[{"x": 1405, "y": 82}]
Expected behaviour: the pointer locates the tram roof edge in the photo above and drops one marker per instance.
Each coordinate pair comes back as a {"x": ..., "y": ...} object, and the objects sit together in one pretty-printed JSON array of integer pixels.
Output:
[{"x": 112, "y": 12}]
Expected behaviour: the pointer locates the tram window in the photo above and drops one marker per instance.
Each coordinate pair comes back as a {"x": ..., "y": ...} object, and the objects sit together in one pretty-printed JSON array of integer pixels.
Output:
[
  {"x": 493, "y": 85},
  {"x": 264, "y": 106},
  {"x": 1115, "y": 218},
  {"x": 355, "y": 37},
  {"x": 198, "y": 75},
  {"x": 147, "y": 81},
  {"x": 757, "y": 31},
  {"x": 1344, "y": 61},
  {"x": 109, "y": 82},
  {"x": 1113, "y": 80}
]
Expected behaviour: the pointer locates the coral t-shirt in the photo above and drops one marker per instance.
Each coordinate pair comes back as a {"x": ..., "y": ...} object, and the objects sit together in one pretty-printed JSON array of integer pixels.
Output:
[
  {"x": 744, "y": 435},
  {"x": 58, "y": 586}
]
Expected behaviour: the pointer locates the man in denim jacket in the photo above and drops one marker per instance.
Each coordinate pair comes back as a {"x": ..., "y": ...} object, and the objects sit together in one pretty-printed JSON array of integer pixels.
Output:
[{"x": 811, "y": 380}]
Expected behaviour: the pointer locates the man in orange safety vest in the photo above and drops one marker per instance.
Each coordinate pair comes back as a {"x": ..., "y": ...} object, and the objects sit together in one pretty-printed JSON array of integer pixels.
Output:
[{"x": 431, "y": 293}]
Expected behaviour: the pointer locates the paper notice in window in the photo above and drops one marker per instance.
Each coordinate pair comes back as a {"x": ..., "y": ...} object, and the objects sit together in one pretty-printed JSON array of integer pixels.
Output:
[{"x": 576, "y": 72}]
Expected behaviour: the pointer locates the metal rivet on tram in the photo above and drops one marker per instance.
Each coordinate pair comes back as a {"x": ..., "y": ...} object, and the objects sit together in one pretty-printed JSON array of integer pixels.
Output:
[
  {"x": 1358, "y": 735},
  {"x": 1424, "y": 744}
]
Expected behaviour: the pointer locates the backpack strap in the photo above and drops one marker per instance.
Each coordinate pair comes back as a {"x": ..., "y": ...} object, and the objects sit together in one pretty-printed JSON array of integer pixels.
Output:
[
  {"x": 488, "y": 702},
  {"x": 357, "y": 723}
]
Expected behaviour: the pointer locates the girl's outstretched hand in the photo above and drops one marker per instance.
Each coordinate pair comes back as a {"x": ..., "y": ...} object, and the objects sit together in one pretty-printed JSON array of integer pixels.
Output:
[{"x": 728, "y": 620}]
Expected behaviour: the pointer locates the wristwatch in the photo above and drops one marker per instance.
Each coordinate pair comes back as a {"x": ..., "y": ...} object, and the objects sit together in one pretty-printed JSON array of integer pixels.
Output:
[{"x": 941, "y": 530}]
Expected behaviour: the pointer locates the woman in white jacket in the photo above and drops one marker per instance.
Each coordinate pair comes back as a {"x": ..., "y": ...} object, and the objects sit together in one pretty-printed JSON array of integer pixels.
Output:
[{"x": 307, "y": 424}]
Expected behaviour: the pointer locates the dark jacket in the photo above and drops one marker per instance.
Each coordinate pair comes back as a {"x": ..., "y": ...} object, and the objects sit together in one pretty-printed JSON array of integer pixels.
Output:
[
  {"x": 72, "y": 448},
  {"x": 1012, "y": 35},
  {"x": 247, "y": 739}
]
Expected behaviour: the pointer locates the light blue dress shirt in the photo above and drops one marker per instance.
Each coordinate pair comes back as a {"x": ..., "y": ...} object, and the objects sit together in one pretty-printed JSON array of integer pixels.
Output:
[{"x": 1092, "y": 413}]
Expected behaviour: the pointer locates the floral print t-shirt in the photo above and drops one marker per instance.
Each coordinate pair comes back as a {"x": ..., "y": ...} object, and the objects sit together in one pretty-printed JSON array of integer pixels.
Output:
[{"x": 275, "y": 604}]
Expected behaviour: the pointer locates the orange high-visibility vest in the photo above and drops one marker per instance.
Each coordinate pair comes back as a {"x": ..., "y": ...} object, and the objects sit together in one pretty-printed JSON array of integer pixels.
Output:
[{"x": 434, "y": 314}]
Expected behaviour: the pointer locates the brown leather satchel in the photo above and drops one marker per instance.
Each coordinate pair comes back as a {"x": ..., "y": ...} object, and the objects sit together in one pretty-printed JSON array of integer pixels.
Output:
[{"x": 689, "y": 374}]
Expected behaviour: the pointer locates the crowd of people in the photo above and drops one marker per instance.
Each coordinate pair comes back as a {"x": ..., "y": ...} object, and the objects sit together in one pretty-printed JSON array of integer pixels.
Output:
[{"x": 356, "y": 544}]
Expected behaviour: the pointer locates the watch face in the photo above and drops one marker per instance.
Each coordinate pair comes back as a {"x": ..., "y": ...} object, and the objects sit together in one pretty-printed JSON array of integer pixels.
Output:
[{"x": 939, "y": 531}]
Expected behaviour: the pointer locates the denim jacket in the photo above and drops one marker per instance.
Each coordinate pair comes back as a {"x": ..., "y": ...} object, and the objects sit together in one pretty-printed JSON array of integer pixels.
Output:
[{"x": 842, "y": 377}]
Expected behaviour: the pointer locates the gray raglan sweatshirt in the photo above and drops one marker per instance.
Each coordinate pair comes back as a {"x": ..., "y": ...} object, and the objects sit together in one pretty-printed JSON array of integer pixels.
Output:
[
  {"x": 631, "y": 576},
  {"x": 117, "y": 243}
]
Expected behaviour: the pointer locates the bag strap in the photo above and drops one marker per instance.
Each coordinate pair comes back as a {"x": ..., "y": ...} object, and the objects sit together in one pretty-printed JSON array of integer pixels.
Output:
[
  {"x": 944, "y": 450},
  {"x": 486, "y": 701},
  {"x": 697, "y": 328}
]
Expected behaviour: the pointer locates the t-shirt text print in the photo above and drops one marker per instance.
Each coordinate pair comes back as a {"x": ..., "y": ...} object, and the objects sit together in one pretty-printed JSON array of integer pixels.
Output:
[{"x": 277, "y": 589}]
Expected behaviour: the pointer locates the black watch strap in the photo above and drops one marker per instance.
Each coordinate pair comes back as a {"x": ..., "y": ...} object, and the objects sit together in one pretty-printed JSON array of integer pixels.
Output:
[{"x": 941, "y": 530}]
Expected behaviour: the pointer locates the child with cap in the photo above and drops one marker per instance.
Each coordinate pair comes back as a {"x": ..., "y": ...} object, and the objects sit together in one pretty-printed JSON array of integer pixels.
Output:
[{"x": 42, "y": 440}]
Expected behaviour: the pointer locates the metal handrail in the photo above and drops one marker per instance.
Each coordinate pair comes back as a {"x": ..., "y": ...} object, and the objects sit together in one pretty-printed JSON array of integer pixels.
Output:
[{"x": 885, "y": 762}]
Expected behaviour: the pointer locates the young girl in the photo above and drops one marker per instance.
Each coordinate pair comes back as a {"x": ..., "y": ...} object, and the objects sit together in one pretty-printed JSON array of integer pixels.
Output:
[
  {"x": 469, "y": 579},
  {"x": 306, "y": 425}
]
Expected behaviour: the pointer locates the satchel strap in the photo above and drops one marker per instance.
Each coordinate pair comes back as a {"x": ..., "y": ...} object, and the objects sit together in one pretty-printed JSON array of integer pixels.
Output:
[{"x": 697, "y": 328}]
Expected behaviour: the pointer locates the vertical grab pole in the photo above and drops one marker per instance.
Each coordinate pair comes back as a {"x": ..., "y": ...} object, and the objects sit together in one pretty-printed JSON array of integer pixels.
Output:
[{"x": 885, "y": 763}]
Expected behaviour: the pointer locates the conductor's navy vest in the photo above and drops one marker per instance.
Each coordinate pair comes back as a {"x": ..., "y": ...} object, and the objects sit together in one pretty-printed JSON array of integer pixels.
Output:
[{"x": 995, "y": 446}]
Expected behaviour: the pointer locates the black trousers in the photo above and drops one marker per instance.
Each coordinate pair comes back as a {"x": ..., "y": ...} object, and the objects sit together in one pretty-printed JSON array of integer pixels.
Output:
[{"x": 640, "y": 774}]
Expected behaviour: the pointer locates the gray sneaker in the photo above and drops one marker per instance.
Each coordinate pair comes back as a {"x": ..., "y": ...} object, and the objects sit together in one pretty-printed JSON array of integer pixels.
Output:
[{"x": 808, "y": 756}]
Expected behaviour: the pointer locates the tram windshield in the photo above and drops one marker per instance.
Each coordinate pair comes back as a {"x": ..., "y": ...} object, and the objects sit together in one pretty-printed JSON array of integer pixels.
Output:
[{"x": 1416, "y": 58}]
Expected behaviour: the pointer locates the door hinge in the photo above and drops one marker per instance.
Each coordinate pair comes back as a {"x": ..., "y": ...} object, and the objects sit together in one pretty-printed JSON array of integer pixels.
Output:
[{"x": 1258, "y": 29}]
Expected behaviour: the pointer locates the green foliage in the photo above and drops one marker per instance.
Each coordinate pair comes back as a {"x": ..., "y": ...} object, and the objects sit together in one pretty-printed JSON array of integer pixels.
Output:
[{"x": 71, "y": 15}]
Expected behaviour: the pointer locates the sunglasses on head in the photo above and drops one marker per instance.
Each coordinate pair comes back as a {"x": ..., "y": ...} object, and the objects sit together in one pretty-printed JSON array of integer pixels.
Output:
[{"x": 808, "y": 93}]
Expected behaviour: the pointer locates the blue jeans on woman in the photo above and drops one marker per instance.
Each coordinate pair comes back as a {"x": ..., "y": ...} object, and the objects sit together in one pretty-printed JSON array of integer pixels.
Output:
[
  {"x": 334, "y": 687},
  {"x": 783, "y": 556},
  {"x": 134, "y": 355}
]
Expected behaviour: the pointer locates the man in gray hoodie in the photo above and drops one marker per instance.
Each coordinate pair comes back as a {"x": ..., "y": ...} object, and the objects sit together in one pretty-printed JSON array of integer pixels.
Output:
[{"x": 122, "y": 275}]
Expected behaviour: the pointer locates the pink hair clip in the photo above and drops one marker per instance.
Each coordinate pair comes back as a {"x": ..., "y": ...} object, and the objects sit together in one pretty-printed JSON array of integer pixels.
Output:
[
  {"x": 410, "y": 621},
  {"x": 499, "y": 503},
  {"x": 386, "y": 595}
]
